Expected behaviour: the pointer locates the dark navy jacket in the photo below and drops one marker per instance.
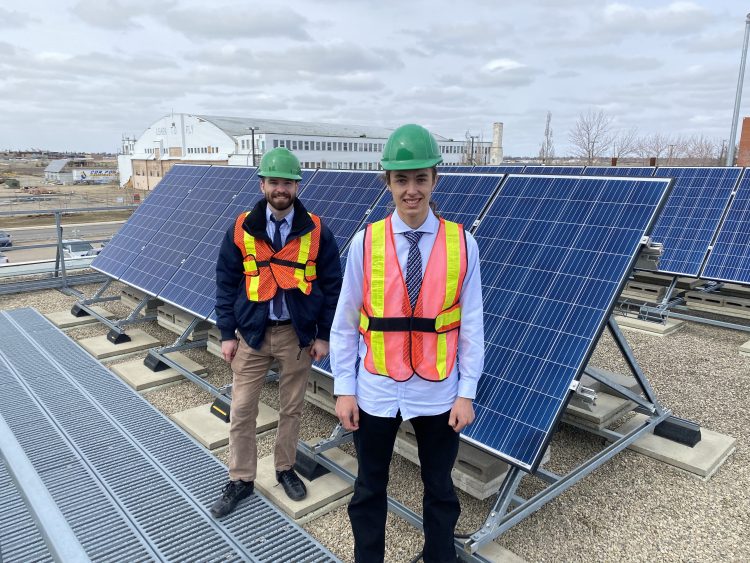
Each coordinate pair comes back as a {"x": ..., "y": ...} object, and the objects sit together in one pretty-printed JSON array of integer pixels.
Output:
[{"x": 311, "y": 315}]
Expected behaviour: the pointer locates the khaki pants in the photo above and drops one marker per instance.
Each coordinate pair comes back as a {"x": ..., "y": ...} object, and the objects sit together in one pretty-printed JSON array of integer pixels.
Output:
[{"x": 249, "y": 369}]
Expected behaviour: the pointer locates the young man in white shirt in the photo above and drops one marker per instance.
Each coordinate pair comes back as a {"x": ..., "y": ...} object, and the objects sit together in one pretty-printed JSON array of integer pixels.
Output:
[{"x": 410, "y": 309}]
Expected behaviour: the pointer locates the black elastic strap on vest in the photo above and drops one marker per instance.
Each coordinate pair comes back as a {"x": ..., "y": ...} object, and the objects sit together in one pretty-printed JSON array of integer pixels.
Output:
[
  {"x": 260, "y": 263},
  {"x": 402, "y": 324},
  {"x": 289, "y": 263}
]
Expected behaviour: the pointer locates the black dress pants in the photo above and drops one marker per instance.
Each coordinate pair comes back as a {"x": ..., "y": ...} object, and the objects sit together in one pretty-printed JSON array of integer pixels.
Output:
[{"x": 438, "y": 447}]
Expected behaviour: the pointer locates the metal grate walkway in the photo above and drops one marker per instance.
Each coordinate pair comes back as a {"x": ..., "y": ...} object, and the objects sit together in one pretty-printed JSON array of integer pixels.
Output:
[{"x": 132, "y": 486}]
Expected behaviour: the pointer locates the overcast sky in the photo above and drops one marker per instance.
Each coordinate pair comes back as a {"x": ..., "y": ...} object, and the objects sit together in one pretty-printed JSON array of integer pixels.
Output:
[{"x": 78, "y": 75}]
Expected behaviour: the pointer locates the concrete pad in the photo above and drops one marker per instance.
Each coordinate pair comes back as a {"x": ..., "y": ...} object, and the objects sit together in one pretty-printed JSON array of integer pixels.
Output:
[
  {"x": 213, "y": 432},
  {"x": 320, "y": 392},
  {"x": 139, "y": 377},
  {"x": 745, "y": 349},
  {"x": 65, "y": 319},
  {"x": 719, "y": 310},
  {"x": 498, "y": 554},
  {"x": 656, "y": 329},
  {"x": 322, "y": 492},
  {"x": 177, "y": 321},
  {"x": 100, "y": 347},
  {"x": 702, "y": 460}
]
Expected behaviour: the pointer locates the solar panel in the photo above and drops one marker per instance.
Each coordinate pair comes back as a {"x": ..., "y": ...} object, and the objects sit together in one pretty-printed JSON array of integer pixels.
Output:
[
  {"x": 691, "y": 215},
  {"x": 629, "y": 171},
  {"x": 729, "y": 259},
  {"x": 556, "y": 170},
  {"x": 454, "y": 168},
  {"x": 140, "y": 228},
  {"x": 458, "y": 197},
  {"x": 342, "y": 198},
  {"x": 554, "y": 253},
  {"x": 193, "y": 285},
  {"x": 499, "y": 169},
  {"x": 184, "y": 228}
]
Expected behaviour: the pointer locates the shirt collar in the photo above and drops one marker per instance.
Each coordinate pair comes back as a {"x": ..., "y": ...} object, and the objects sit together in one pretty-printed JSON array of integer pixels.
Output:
[
  {"x": 288, "y": 217},
  {"x": 430, "y": 225}
]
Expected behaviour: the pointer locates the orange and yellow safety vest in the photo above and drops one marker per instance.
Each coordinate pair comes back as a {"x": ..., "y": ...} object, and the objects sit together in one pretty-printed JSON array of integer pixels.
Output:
[
  {"x": 266, "y": 270},
  {"x": 401, "y": 342}
]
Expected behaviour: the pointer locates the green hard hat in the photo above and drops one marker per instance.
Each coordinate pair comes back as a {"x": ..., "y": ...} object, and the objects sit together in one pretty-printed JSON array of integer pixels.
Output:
[
  {"x": 280, "y": 163},
  {"x": 411, "y": 147}
]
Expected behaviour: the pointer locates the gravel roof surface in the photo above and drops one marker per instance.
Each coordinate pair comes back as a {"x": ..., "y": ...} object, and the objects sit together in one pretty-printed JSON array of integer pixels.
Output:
[{"x": 632, "y": 508}]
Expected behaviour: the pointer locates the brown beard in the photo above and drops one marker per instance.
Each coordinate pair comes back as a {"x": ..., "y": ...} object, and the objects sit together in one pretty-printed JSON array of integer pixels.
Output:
[{"x": 269, "y": 199}]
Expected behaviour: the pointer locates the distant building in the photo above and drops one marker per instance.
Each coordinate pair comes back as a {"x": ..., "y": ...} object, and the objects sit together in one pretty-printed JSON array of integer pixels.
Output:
[
  {"x": 204, "y": 139},
  {"x": 80, "y": 171}
]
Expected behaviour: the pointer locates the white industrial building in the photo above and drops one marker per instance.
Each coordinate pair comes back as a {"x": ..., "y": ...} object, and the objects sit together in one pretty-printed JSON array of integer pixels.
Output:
[
  {"x": 204, "y": 139},
  {"x": 79, "y": 171}
]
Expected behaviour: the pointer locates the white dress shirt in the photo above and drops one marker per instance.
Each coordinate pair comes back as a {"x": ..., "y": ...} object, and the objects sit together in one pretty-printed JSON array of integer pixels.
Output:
[
  {"x": 383, "y": 396},
  {"x": 284, "y": 228}
]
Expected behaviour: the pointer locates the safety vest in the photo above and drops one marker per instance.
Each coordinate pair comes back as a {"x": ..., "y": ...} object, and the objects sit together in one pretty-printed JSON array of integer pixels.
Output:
[
  {"x": 401, "y": 342},
  {"x": 266, "y": 270}
]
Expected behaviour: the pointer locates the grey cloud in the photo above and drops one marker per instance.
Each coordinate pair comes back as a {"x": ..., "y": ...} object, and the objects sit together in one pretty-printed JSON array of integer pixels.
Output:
[
  {"x": 237, "y": 21},
  {"x": 612, "y": 62},
  {"x": 675, "y": 18},
  {"x": 472, "y": 39},
  {"x": 114, "y": 14},
  {"x": 12, "y": 19},
  {"x": 361, "y": 82},
  {"x": 714, "y": 42}
]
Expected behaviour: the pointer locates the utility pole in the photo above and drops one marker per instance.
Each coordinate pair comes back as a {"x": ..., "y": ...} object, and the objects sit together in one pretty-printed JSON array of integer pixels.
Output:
[
  {"x": 738, "y": 97},
  {"x": 472, "y": 159}
]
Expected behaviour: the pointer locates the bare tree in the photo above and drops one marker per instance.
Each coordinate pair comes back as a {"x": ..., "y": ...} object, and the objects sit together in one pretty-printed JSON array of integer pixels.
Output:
[
  {"x": 591, "y": 135},
  {"x": 655, "y": 145},
  {"x": 547, "y": 150},
  {"x": 701, "y": 150},
  {"x": 625, "y": 143}
]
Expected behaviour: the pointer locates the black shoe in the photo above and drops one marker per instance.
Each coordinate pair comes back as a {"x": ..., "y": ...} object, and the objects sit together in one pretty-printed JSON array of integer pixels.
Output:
[
  {"x": 232, "y": 493},
  {"x": 293, "y": 485}
]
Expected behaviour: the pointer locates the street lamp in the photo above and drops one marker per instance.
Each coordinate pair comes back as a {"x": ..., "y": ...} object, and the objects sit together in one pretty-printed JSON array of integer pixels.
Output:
[
  {"x": 738, "y": 97},
  {"x": 252, "y": 141}
]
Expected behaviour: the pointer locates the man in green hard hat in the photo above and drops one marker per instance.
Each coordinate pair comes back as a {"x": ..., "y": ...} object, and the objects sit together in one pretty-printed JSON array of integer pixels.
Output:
[
  {"x": 278, "y": 277},
  {"x": 410, "y": 312}
]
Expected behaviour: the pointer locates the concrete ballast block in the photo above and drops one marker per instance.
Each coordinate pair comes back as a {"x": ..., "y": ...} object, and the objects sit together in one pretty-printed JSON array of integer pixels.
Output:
[
  {"x": 65, "y": 319},
  {"x": 100, "y": 347},
  {"x": 139, "y": 377}
]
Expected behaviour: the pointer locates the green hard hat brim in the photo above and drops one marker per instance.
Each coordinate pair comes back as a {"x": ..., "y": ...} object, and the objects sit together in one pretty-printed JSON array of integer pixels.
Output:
[
  {"x": 285, "y": 175},
  {"x": 410, "y": 164}
]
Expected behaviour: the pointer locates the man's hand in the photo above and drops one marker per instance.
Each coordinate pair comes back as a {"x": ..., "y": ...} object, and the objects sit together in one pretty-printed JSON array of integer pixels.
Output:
[
  {"x": 348, "y": 412},
  {"x": 319, "y": 349},
  {"x": 462, "y": 414},
  {"x": 229, "y": 349}
]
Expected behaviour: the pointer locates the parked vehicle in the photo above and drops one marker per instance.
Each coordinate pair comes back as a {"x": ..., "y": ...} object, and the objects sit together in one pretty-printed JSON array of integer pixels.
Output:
[
  {"x": 5, "y": 239},
  {"x": 76, "y": 248}
]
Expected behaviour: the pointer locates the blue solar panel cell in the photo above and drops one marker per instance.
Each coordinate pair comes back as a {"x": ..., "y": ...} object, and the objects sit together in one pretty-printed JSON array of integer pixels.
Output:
[
  {"x": 628, "y": 171},
  {"x": 342, "y": 199},
  {"x": 458, "y": 197},
  {"x": 691, "y": 216},
  {"x": 556, "y": 170},
  {"x": 729, "y": 259},
  {"x": 193, "y": 285},
  {"x": 178, "y": 235},
  {"x": 454, "y": 168},
  {"x": 554, "y": 254},
  {"x": 146, "y": 221}
]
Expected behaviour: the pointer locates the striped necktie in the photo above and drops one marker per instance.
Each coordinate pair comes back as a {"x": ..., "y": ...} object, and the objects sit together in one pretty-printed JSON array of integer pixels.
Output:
[
  {"x": 277, "y": 303},
  {"x": 413, "y": 266}
]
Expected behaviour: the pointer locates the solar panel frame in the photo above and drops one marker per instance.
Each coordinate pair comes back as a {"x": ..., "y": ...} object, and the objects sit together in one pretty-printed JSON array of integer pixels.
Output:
[
  {"x": 571, "y": 319},
  {"x": 498, "y": 169},
  {"x": 144, "y": 223},
  {"x": 729, "y": 257},
  {"x": 554, "y": 170},
  {"x": 690, "y": 219},
  {"x": 620, "y": 171}
]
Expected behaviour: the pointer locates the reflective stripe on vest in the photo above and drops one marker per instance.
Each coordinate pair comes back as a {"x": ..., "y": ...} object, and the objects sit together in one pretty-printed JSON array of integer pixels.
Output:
[
  {"x": 401, "y": 342},
  {"x": 265, "y": 270}
]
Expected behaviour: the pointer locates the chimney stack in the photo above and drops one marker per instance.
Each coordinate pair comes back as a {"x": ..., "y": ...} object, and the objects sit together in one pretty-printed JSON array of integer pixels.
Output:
[{"x": 496, "y": 150}]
